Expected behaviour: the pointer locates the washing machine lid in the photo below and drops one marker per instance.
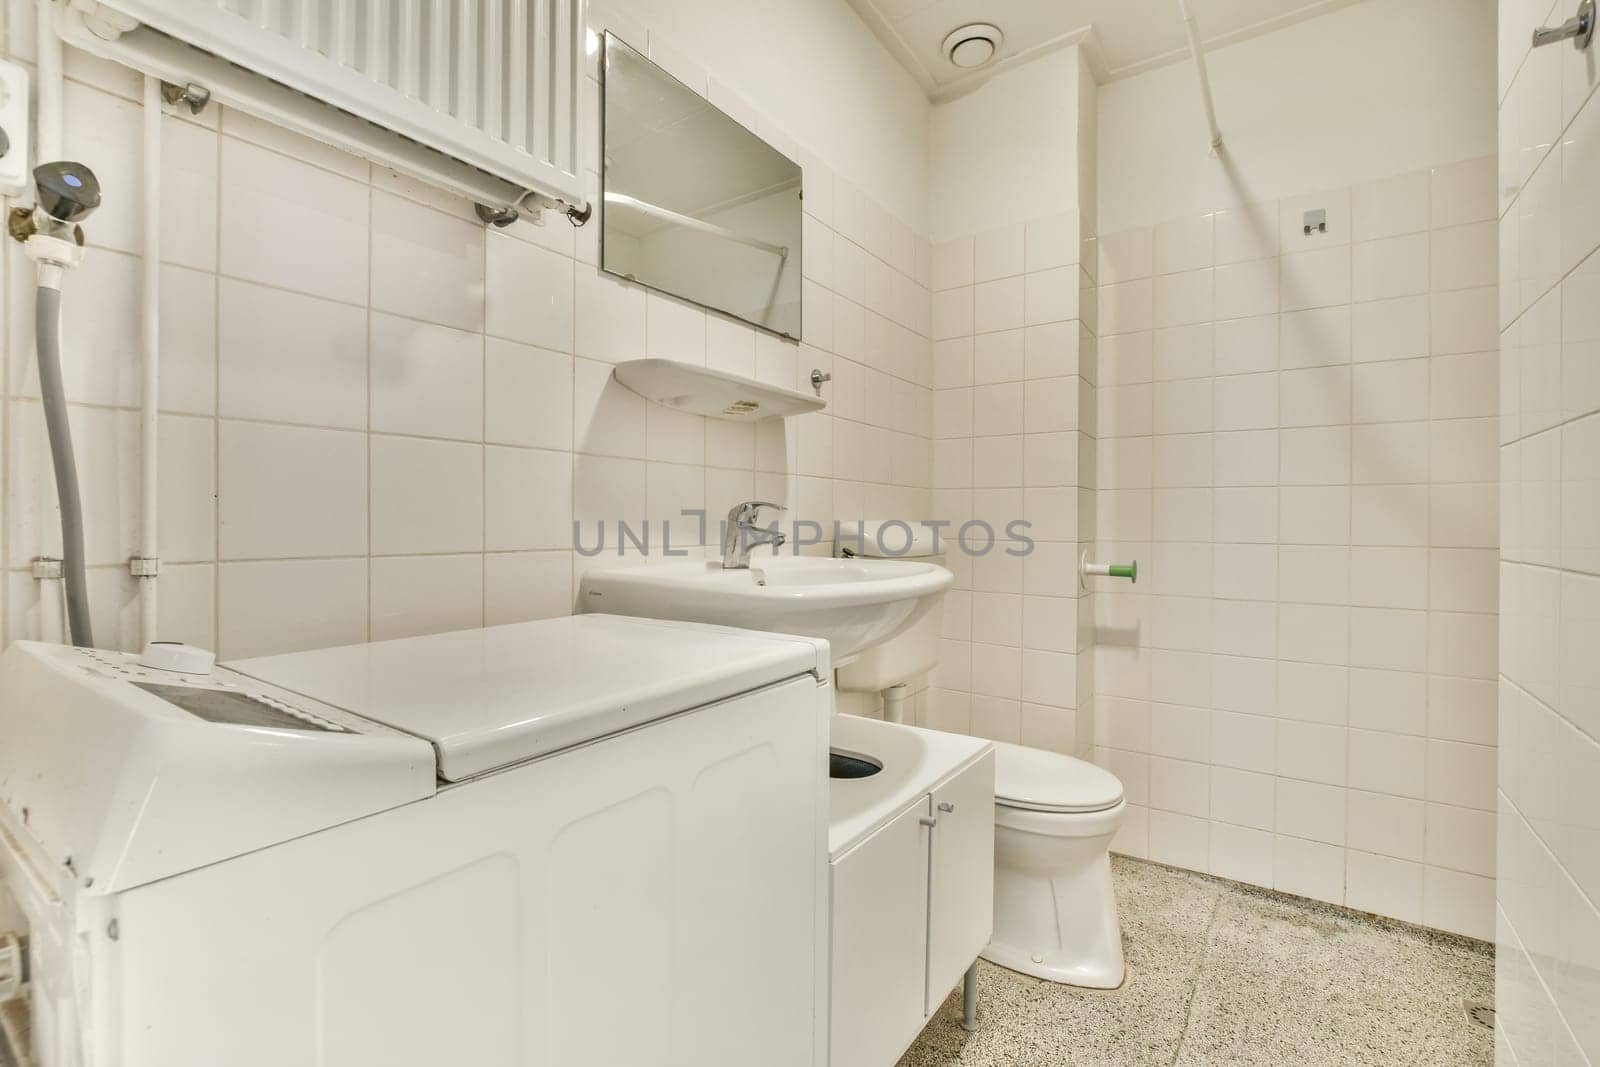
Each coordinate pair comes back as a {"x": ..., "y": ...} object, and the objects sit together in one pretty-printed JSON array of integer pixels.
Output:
[
  {"x": 1036, "y": 780},
  {"x": 490, "y": 698}
]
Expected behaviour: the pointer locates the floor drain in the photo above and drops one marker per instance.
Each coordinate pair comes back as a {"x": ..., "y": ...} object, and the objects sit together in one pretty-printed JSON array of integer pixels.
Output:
[{"x": 1479, "y": 1013}]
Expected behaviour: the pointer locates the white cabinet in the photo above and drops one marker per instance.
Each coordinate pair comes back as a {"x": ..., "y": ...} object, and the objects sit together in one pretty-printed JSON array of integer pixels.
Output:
[
  {"x": 912, "y": 906},
  {"x": 880, "y": 942},
  {"x": 961, "y": 877}
]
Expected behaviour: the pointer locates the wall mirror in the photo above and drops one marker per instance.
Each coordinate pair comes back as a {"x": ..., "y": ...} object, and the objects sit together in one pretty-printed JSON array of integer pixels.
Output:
[{"x": 694, "y": 204}]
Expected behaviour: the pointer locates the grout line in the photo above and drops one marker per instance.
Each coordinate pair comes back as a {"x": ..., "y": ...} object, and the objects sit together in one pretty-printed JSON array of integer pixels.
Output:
[
  {"x": 216, "y": 399},
  {"x": 1199, "y": 974},
  {"x": 366, "y": 429},
  {"x": 483, "y": 433}
]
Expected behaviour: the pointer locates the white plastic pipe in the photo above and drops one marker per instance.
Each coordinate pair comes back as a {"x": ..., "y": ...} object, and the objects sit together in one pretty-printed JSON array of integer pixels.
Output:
[
  {"x": 150, "y": 391},
  {"x": 52, "y": 613},
  {"x": 51, "y": 65},
  {"x": 896, "y": 703},
  {"x": 1200, "y": 68}
]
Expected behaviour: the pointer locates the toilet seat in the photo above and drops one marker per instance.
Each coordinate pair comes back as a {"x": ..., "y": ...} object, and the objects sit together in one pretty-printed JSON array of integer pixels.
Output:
[{"x": 1031, "y": 779}]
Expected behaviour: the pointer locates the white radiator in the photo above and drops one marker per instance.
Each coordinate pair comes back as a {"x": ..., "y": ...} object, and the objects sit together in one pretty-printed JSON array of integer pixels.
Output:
[{"x": 492, "y": 84}]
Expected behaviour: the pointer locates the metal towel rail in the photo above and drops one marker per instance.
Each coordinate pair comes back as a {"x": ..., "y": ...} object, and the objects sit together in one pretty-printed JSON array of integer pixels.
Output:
[{"x": 492, "y": 86}]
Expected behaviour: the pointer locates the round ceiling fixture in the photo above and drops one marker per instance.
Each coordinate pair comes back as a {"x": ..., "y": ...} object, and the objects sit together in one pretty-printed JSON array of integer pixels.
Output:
[{"x": 972, "y": 46}]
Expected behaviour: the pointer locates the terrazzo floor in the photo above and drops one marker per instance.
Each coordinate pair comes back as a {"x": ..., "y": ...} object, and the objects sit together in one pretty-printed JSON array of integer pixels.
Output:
[{"x": 1220, "y": 973}]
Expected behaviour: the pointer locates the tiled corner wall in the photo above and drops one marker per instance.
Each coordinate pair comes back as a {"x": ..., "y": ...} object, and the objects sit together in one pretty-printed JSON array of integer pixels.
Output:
[
  {"x": 380, "y": 418},
  {"x": 1548, "y": 921},
  {"x": 1297, "y": 443},
  {"x": 1014, "y": 363}
]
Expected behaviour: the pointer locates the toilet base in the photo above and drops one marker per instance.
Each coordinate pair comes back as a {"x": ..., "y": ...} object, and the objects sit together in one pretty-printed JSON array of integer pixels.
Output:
[
  {"x": 1058, "y": 967},
  {"x": 1055, "y": 908}
]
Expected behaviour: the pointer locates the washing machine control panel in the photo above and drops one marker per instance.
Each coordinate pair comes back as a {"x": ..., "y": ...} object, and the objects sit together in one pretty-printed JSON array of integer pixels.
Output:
[
  {"x": 118, "y": 773},
  {"x": 225, "y": 697}
]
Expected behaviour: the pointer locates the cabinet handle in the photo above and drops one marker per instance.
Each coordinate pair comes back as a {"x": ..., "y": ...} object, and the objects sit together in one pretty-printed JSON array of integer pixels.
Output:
[
  {"x": 927, "y": 821},
  {"x": 947, "y": 806}
]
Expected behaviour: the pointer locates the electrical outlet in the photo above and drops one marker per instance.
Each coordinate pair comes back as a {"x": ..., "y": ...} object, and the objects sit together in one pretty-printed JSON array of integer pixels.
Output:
[{"x": 17, "y": 147}]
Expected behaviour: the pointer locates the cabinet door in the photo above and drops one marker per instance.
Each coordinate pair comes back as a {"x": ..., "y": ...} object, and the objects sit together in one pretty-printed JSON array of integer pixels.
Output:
[
  {"x": 961, "y": 893},
  {"x": 880, "y": 927}
]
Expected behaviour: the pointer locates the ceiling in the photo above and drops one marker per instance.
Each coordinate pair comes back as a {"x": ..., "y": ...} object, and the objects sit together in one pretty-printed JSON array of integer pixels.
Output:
[{"x": 1123, "y": 36}]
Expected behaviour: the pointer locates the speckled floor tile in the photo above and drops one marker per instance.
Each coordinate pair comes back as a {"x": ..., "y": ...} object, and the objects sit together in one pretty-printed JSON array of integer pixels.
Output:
[
  {"x": 1289, "y": 981},
  {"x": 1222, "y": 974}
]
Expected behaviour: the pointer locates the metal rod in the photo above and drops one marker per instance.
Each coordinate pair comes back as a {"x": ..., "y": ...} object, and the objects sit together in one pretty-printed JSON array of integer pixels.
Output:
[
  {"x": 1200, "y": 68},
  {"x": 689, "y": 221},
  {"x": 969, "y": 998}
]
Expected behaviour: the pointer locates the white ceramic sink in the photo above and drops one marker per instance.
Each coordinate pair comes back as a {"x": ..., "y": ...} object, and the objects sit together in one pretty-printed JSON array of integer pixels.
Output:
[{"x": 853, "y": 603}]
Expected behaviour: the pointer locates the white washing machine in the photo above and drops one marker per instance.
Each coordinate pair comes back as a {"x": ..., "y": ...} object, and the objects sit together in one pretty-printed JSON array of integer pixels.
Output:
[{"x": 589, "y": 840}]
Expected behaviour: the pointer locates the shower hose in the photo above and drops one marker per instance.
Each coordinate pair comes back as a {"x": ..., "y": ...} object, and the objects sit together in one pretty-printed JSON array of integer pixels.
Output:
[{"x": 48, "y": 329}]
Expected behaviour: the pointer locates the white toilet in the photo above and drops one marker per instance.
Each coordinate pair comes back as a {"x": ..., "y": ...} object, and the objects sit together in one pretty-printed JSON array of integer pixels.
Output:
[{"x": 1055, "y": 915}]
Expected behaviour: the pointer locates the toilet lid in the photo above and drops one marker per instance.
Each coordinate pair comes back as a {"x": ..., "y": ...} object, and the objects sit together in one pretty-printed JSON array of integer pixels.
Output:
[{"x": 1037, "y": 780}]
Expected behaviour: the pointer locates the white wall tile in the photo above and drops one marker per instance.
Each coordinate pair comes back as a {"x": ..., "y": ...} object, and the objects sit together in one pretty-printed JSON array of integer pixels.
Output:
[
  {"x": 1247, "y": 232},
  {"x": 1391, "y": 206},
  {"x": 1308, "y": 869},
  {"x": 527, "y": 499},
  {"x": 425, "y": 379},
  {"x": 268, "y": 608},
  {"x": 1387, "y": 825},
  {"x": 427, "y": 496},
  {"x": 1183, "y": 245},
  {"x": 998, "y": 253},
  {"x": 528, "y": 294},
  {"x": 414, "y": 595},
  {"x": 272, "y": 477},
  {"x": 1391, "y": 267},
  {"x": 290, "y": 224},
  {"x": 1465, "y": 256},
  {"x": 426, "y": 264},
  {"x": 521, "y": 586},
  {"x": 674, "y": 330},
  {"x": 290, "y": 358},
  {"x": 1383, "y": 885},
  {"x": 528, "y": 395},
  {"x": 1390, "y": 392},
  {"x": 1464, "y": 192}
]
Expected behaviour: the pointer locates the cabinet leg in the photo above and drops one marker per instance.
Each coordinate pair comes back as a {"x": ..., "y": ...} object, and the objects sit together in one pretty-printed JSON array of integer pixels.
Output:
[{"x": 969, "y": 998}]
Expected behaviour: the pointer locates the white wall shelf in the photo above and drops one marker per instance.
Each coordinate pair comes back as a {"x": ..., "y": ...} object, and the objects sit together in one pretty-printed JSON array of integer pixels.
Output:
[{"x": 703, "y": 391}]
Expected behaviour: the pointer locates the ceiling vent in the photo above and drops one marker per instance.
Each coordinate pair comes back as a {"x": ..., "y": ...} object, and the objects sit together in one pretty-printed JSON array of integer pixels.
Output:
[{"x": 972, "y": 46}]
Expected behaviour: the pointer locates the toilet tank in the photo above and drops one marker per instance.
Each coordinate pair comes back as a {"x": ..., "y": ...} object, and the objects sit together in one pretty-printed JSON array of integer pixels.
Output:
[{"x": 915, "y": 652}]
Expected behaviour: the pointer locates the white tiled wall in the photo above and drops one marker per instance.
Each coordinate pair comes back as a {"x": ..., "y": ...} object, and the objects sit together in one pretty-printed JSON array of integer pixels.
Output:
[
  {"x": 1548, "y": 928},
  {"x": 1297, "y": 442},
  {"x": 1014, "y": 362},
  {"x": 381, "y": 418}
]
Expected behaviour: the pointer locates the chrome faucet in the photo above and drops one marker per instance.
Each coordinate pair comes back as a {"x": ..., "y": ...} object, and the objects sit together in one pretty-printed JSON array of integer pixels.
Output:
[{"x": 740, "y": 534}]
